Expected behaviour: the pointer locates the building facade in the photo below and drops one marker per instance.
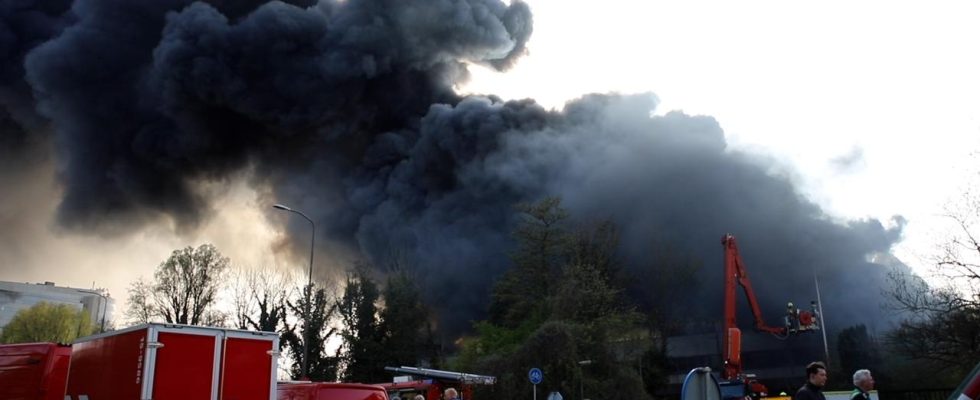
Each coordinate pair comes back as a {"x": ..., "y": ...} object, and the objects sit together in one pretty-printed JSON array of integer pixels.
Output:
[
  {"x": 16, "y": 296},
  {"x": 777, "y": 363}
]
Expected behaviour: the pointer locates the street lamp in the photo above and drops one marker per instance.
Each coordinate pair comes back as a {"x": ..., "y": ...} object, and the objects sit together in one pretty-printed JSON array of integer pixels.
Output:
[
  {"x": 581, "y": 379},
  {"x": 309, "y": 288}
]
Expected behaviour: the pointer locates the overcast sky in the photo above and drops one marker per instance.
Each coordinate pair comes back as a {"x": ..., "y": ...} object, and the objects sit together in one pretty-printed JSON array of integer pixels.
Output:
[{"x": 871, "y": 108}]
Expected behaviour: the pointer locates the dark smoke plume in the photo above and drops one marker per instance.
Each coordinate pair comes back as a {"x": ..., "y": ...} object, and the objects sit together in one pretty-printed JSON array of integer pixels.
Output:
[
  {"x": 24, "y": 24},
  {"x": 348, "y": 108}
]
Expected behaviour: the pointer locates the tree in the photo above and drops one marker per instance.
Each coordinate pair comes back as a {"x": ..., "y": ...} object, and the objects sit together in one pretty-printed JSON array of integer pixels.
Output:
[
  {"x": 312, "y": 326},
  {"x": 670, "y": 274},
  {"x": 589, "y": 299},
  {"x": 542, "y": 246},
  {"x": 361, "y": 350},
  {"x": 586, "y": 291},
  {"x": 558, "y": 347},
  {"x": 584, "y": 296},
  {"x": 561, "y": 303},
  {"x": 595, "y": 244},
  {"x": 216, "y": 318},
  {"x": 140, "y": 309},
  {"x": 259, "y": 298},
  {"x": 240, "y": 286},
  {"x": 47, "y": 322},
  {"x": 941, "y": 326},
  {"x": 183, "y": 291},
  {"x": 403, "y": 322},
  {"x": 187, "y": 283},
  {"x": 941, "y": 320}
]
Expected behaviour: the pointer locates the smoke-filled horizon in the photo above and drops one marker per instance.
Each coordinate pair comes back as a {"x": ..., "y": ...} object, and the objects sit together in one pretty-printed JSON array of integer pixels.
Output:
[{"x": 347, "y": 110}]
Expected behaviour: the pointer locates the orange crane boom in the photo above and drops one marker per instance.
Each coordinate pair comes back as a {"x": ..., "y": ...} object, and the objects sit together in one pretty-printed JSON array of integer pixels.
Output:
[{"x": 795, "y": 321}]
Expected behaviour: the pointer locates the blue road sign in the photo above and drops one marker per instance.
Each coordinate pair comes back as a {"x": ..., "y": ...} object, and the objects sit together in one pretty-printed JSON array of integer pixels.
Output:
[
  {"x": 701, "y": 385},
  {"x": 535, "y": 375}
]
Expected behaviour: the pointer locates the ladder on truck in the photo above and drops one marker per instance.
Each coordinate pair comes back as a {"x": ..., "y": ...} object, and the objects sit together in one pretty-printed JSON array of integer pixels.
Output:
[{"x": 472, "y": 379}]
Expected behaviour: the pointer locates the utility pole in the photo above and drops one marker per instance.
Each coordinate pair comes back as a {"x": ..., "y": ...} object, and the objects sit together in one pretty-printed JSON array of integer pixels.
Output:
[{"x": 823, "y": 329}]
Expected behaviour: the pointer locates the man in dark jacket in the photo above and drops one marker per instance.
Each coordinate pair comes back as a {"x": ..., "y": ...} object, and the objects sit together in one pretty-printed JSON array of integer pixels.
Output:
[
  {"x": 863, "y": 383},
  {"x": 816, "y": 377}
]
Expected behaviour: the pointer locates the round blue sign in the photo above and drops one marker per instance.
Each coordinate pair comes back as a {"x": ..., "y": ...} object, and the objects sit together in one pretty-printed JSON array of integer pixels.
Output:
[
  {"x": 701, "y": 385},
  {"x": 535, "y": 375}
]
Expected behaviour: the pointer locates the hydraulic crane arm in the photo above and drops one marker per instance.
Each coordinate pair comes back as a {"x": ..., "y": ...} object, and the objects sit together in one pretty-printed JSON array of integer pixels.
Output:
[
  {"x": 735, "y": 273},
  {"x": 794, "y": 322}
]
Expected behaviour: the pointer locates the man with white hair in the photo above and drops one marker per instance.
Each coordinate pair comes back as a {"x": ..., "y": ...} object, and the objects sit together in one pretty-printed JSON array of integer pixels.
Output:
[{"x": 863, "y": 383}]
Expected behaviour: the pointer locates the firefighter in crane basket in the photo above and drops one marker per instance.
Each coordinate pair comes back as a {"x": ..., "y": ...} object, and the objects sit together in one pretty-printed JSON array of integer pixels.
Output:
[
  {"x": 800, "y": 321},
  {"x": 792, "y": 318}
]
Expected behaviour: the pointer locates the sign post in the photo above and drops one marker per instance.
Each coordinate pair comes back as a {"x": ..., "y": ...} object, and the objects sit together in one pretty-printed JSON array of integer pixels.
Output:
[{"x": 535, "y": 376}]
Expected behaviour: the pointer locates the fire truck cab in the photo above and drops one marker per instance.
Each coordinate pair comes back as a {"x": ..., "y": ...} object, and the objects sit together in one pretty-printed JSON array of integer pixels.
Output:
[
  {"x": 430, "y": 383},
  {"x": 329, "y": 391}
]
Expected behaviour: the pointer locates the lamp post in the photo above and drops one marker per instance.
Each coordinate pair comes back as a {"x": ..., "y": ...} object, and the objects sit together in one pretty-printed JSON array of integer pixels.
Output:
[
  {"x": 581, "y": 379},
  {"x": 309, "y": 288}
]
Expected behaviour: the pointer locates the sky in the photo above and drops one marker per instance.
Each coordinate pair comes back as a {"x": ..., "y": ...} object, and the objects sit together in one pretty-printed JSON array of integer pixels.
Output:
[
  {"x": 868, "y": 110},
  {"x": 873, "y": 107}
]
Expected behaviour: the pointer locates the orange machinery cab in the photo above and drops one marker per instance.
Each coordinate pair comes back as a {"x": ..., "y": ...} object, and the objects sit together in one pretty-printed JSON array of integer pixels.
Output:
[
  {"x": 329, "y": 391},
  {"x": 34, "y": 371}
]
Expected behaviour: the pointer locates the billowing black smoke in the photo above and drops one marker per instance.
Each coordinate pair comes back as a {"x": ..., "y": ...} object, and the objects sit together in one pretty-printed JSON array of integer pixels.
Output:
[
  {"x": 24, "y": 24},
  {"x": 348, "y": 108}
]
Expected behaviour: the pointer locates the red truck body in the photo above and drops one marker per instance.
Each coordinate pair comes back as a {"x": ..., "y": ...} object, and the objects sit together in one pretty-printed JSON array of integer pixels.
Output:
[
  {"x": 330, "y": 391},
  {"x": 33, "y": 371},
  {"x": 174, "y": 362}
]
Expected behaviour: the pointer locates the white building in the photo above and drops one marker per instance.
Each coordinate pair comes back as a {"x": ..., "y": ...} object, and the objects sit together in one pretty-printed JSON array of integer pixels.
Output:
[{"x": 16, "y": 296}]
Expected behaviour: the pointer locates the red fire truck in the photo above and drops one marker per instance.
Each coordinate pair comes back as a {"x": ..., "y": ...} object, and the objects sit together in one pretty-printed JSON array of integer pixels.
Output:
[
  {"x": 330, "y": 391},
  {"x": 430, "y": 383},
  {"x": 161, "y": 362},
  {"x": 33, "y": 371},
  {"x": 150, "y": 361}
]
